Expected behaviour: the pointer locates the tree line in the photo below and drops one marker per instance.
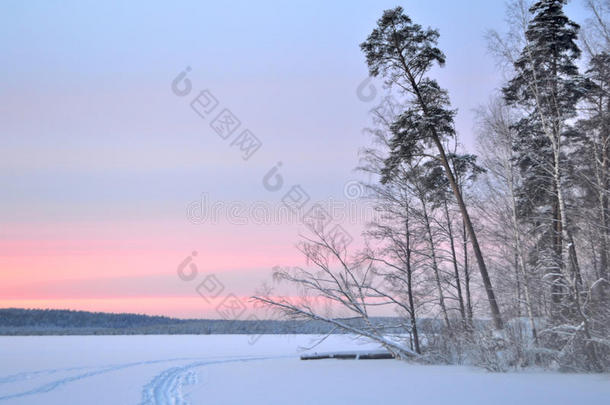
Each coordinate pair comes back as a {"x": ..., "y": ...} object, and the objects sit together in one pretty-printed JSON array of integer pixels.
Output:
[{"x": 19, "y": 322}]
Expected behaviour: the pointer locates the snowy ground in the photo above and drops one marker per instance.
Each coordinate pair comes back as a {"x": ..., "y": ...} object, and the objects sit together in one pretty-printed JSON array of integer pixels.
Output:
[{"x": 229, "y": 370}]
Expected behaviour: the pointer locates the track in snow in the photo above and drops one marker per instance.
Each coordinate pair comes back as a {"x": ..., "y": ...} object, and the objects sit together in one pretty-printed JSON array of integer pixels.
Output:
[
  {"x": 166, "y": 387},
  {"x": 28, "y": 375},
  {"x": 62, "y": 381}
]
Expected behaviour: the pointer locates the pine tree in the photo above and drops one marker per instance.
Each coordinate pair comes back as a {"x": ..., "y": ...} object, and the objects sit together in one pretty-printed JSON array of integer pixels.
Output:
[
  {"x": 547, "y": 86},
  {"x": 403, "y": 52}
]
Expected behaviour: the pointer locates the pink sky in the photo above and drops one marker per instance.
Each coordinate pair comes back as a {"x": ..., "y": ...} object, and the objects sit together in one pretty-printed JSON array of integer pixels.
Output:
[
  {"x": 133, "y": 266},
  {"x": 99, "y": 159}
]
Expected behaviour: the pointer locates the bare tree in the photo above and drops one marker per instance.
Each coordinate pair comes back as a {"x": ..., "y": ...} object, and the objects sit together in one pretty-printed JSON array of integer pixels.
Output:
[
  {"x": 595, "y": 37},
  {"x": 341, "y": 284},
  {"x": 497, "y": 142}
]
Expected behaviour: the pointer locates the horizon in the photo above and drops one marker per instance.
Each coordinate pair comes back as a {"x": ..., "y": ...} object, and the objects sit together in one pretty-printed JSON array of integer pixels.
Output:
[{"x": 104, "y": 163}]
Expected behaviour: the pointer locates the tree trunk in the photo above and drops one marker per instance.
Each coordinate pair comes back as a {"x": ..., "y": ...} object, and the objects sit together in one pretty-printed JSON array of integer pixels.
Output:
[
  {"x": 412, "y": 313},
  {"x": 467, "y": 275},
  {"x": 491, "y": 297},
  {"x": 601, "y": 158},
  {"x": 521, "y": 264},
  {"x": 456, "y": 272},
  {"x": 435, "y": 268}
]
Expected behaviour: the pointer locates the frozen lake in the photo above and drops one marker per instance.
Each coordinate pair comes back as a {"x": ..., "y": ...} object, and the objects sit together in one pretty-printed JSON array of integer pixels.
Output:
[{"x": 231, "y": 369}]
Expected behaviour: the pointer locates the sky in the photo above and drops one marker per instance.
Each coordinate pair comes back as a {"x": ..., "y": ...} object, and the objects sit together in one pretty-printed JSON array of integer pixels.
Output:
[{"x": 110, "y": 178}]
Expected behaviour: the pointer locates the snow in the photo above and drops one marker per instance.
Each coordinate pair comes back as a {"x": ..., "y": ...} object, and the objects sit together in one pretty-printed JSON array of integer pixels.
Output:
[{"x": 228, "y": 369}]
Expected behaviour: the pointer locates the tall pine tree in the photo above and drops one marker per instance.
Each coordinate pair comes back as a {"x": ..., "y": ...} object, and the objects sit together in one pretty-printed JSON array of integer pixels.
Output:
[
  {"x": 403, "y": 52},
  {"x": 547, "y": 86}
]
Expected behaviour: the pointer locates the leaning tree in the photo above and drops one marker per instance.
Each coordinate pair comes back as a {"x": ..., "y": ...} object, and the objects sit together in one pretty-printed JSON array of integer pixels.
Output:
[{"x": 403, "y": 52}]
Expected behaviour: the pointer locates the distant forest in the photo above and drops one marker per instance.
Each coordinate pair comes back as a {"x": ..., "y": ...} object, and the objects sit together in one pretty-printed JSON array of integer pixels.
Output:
[{"x": 17, "y": 321}]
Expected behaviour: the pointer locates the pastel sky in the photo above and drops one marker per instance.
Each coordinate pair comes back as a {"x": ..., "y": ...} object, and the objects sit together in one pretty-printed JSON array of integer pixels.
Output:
[{"x": 100, "y": 159}]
